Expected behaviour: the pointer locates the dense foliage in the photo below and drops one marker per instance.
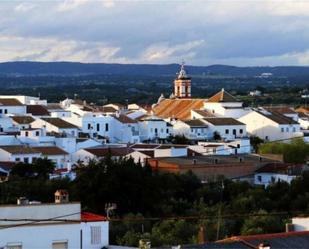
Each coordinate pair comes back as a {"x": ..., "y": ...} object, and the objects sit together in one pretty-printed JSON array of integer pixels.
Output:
[
  {"x": 165, "y": 208},
  {"x": 297, "y": 151}
]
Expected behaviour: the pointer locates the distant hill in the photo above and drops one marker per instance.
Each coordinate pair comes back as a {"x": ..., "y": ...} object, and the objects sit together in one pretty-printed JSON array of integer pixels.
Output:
[{"x": 74, "y": 68}]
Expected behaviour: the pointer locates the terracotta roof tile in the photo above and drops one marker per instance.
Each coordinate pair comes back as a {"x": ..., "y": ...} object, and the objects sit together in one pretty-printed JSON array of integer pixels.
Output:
[
  {"x": 222, "y": 96},
  {"x": 50, "y": 150},
  {"x": 177, "y": 108},
  {"x": 10, "y": 102},
  {"x": 23, "y": 119},
  {"x": 37, "y": 110},
  {"x": 60, "y": 123},
  {"x": 223, "y": 121}
]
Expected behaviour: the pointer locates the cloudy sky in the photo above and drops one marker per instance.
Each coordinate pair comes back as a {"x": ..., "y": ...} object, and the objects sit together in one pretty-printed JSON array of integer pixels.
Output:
[{"x": 201, "y": 32}]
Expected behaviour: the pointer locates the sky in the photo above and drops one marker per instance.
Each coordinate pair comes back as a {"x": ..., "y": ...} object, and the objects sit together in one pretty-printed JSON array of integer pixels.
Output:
[{"x": 200, "y": 32}]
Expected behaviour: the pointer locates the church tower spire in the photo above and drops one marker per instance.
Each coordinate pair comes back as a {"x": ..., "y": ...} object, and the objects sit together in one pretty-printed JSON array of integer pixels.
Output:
[{"x": 182, "y": 84}]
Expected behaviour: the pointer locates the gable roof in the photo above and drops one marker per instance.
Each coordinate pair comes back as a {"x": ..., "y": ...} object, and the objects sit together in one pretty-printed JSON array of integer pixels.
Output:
[
  {"x": 204, "y": 113},
  {"x": 277, "y": 117},
  {"x": 37, "y": 110},
  {"x": 23, "y": 119},
  {"x": 222, "y": 96},
  {"x": 124, "y": 119},
  {"x": 50, "y": 150},
  {"x": 10, "y": 102},
  {"x": 60, "y": 123},
  {"x": 281, "y": 109},
  {"x": 285, "y": 168},
  {"x": 196, "y": 123},
  {"x": 19, "y": 149},
  {"x": 223, "y": 121},
  {"x": 177, "y": 108},
  {"x": 104, "y": 151}
]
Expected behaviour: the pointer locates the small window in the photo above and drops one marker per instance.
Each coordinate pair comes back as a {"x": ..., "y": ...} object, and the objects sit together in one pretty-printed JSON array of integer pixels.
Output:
[
  {"x": 26, "y": 160},
  {"x": 259, "y": 178},
  {"x": 167, "y": 131},
  {"x": 37, "y": 133},
  {"x": 282, "y": 129},
  {"x": 27, "y": 134},
  {"x": 17, "y": 159},
  {"x": 234, "y": 131},
  {"x": 89, "y": 126},
  {"x": 227, "y": 131},
  {"x": 5, "y": 111},
  {"x": 98, "y": 127},
  {"x": 241, "y": 131},
  {"x": 1, "y": 111},
  {"x": 60, "y": 245},
  {"x": 287, "y": 129},
  {"x": 95, "y": 235},
  {"x": 106, "y": 127},
  {"x": 156, "y": 130}
]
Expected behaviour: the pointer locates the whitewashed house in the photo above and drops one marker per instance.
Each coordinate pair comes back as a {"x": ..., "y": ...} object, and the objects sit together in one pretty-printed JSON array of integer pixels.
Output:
[
  {"x": 195, "y": 129},
  {"x": 225, "y": 105},
  {"x": 6, "y": 124},
  {"x": 58, "y": 156},
  {"x": 22, "y": 122},
  {"x": 56, "y": 125},
  {"x": 275, "y": 172},
  {"x": 12, "y": 106},
  {"x": 125, "y": 129},
  {"x": 227, "y": 128},
  {"x": 18, "y": 153},
  {"x": 270, "y": 126},
  {"x": 82, "y": 230},
  {"x": 152, "y": 128},
  {"x": 26, "y": 100}
]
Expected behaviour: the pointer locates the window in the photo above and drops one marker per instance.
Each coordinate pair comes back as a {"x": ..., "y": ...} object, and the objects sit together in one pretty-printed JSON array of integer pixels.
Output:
[
  {"x": 234, "y": 131},
  {"x": 26, "y": 160},
  {"x": 294, "y": 129},
  {"x": 89, "y": 126},
  {"x": 259, "y": 178},
  {"x": 37, "y": 133},
  {"x": 60, "y": 245},
  {"x": 167, "y": 131},
  {"x": 5, "y": 111},
  {"x": 17, "y": 159},
  {"x": 27, "y": 134},
  {"x": 1, "y": 111},
  {"x": 98, "y": 127},
  {"x": 95, "y": 235},
  {"x": 227, "y": 131},
  {"x": 287, "y": 129},
  {"x": 282, "y": 129},
  {"x": 156, "y": 130},
  {"x": 241, "y": 131},
  {"x": 13, "y": 246},
  {"x": 106, "y": 127}
]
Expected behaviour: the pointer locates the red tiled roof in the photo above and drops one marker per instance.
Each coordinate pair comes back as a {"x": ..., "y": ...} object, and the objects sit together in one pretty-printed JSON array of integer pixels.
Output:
[
  {"x": 50, "y": 150},
  {"x": 37, "y": 110},
  {"x": 177, "y": 108},
  {"x": 60, "y": 123},
  {"x": 222, "y": 96},
  {"x": 91, "y": 217},
  {"x": 124, "y": 119},
  {"x": 102, "y": 152},
  {"x": 10, "y": 102},
  {"x": 23, "y": 119}
]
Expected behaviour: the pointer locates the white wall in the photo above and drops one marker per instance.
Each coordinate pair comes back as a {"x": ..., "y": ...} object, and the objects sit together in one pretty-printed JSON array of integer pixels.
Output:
[
  {"x": 301, "y": 224},
  {"x": 268, "y": 178}
]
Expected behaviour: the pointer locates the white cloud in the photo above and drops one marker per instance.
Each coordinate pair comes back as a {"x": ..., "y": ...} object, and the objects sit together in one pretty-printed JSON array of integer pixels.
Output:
[
  {"x": 38, "y": 49},
  {"x": 165, "y": 52}
]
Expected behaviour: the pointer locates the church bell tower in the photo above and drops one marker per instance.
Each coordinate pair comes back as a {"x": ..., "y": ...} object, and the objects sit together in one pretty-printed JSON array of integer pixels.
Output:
[{"x": 182, "y": 84}]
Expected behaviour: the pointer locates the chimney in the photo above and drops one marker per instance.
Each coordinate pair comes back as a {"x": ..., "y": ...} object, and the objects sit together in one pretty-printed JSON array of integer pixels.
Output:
[
  {"x": 61, "y": 196},
  {"x": 264, "y": 245},
  {"x": 22, "y": 201},
  {"x": 289, "y": 227},
  {"x": 201, "y": 236}
]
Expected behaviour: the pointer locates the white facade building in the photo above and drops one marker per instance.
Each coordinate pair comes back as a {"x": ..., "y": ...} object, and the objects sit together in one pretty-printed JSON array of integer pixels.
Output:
[{"x": 270, "y": 126}]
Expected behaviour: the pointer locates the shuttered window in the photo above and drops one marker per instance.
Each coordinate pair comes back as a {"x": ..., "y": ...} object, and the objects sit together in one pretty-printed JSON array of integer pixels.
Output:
[
  {"x": 95, "y": 235},
  {"x": 60, "y": 245}
]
